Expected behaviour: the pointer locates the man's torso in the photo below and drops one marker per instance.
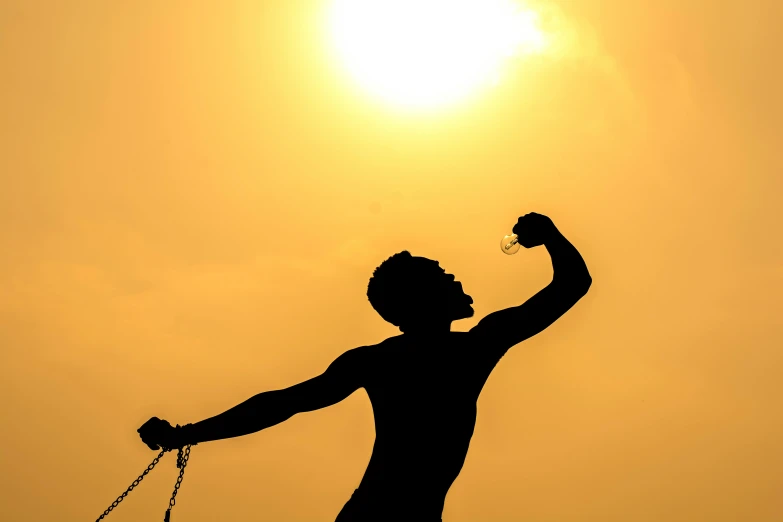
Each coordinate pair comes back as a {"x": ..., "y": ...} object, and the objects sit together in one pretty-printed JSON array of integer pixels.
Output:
[{"x": 423, "y": 394}]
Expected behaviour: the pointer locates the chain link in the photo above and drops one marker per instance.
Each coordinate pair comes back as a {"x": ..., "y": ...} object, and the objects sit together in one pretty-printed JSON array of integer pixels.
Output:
[
  {"x": 182, "y": 460},
  {"x": 133, "y": 485}
]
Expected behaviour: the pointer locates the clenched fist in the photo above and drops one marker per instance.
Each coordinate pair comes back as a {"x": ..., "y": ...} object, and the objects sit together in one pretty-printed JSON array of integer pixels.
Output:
[
  {"x": 157, "y": 434},
  {"x": 534, "y": 229}
]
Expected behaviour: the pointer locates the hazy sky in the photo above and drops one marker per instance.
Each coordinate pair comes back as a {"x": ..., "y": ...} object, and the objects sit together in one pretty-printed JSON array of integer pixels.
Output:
[{"x": 193, "y": 196}]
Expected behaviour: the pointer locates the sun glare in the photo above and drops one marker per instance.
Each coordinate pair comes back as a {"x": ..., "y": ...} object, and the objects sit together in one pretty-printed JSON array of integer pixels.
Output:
[{"x": 430, "y": 53}]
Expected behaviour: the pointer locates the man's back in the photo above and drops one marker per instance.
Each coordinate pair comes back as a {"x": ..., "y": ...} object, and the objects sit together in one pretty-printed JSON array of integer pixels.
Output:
[{"x": 423, "y": 393}]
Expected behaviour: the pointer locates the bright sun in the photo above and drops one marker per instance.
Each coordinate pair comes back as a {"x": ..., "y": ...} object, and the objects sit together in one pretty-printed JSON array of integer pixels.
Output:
[{"x": 430, "y": 53}]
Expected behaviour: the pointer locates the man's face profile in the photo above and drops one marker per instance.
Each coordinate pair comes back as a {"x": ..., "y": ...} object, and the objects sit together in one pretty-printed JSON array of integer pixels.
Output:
[{"x": 436, "y": 293}]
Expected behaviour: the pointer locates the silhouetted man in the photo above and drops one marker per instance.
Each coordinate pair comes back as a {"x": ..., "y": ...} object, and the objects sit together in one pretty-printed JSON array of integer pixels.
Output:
[{"x": 423, "y": 384}]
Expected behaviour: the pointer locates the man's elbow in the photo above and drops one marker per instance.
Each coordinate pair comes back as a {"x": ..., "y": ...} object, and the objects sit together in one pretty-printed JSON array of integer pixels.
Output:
[
  {"x": 584, "y": 285},
  {"x": 577, "y": 288}
]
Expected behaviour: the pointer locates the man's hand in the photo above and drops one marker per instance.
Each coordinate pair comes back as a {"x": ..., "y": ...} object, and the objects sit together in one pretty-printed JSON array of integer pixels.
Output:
[
  {"x": 157, "y": 434},
  {"x": 534, "y": 230}
]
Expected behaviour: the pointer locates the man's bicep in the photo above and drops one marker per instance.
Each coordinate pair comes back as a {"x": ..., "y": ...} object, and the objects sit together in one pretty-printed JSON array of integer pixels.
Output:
[
  {"x": 503, "y": 329},
  {"x": 341, "y": 379}
]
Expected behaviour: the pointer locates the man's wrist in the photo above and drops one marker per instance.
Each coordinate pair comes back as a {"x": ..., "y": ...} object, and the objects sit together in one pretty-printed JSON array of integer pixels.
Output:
[
  {"x": 184, "y": 435},
  {"x": 554, "y": 237}
]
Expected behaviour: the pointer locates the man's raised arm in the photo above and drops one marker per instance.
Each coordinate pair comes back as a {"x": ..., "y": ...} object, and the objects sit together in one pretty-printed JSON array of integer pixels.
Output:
[
  {"x": 503, "y": 329},
  {"x": 264, "y": 410}
]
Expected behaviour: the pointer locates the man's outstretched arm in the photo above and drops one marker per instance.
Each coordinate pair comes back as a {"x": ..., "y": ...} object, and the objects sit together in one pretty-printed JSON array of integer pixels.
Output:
[
  {"x": 503, "y": 329},
  {"x": 264, "y": 410}
]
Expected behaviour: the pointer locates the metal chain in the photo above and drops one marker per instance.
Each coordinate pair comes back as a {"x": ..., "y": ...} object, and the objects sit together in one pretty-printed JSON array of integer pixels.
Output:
[
  {"x": 182, "y": 460},
  {"x": 133, "y": 485}
]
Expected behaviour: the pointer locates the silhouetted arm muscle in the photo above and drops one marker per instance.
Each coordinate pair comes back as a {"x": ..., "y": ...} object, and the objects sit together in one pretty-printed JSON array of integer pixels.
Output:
[
  {"x": 267, "y": 409},
  {"x": 501, "y": 330}
]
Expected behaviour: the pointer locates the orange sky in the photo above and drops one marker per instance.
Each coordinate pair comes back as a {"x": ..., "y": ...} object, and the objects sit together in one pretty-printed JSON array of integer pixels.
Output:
[{"x": 161, "y": 164}]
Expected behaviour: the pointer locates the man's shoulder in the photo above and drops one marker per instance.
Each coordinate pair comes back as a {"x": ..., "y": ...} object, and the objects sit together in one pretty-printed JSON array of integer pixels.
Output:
[
  {"x": 370, "y": 353},
  {"x": 398, "y": 343},
  {"x": 375, "y": 350},
  {"x": 365, "y": 352}
]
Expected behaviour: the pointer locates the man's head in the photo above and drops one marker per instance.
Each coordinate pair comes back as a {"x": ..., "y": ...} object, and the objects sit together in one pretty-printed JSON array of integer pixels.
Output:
[{"x": 416, "y": 293}]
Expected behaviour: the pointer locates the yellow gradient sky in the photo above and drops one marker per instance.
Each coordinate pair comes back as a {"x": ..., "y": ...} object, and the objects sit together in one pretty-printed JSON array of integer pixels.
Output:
[{"x": 193, "y": 197}]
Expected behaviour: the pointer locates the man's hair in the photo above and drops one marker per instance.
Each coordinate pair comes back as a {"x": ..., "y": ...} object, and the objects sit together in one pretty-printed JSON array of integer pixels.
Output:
[{"x": 389, "y": 288}]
